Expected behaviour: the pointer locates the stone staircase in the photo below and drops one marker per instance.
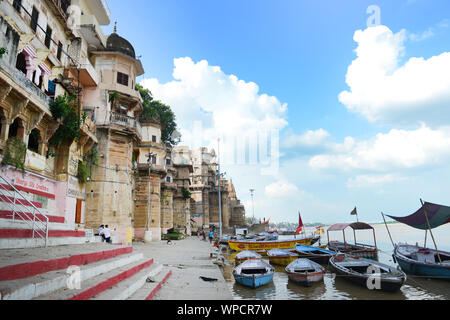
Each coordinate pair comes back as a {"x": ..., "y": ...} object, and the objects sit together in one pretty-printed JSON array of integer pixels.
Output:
[
  {"x": 17, "y": 212},
  {"x": 95, "y": 271}
]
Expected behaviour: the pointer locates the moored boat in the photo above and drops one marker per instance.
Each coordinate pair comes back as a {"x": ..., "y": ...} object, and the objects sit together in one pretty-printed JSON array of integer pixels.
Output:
[
  {"x": 246, "y": 255},
  {"x": 368, "y": 273},
  {"x": 420, "y": 261},
  {"x": 305, "y": 272},
  {"x": 315, "y": 254},
  {"x": 281, "y": 257},
  {"x": 253, "y": 273},
  {"x": 356, "y": 249},
  {"x": 241, "y": 245}
]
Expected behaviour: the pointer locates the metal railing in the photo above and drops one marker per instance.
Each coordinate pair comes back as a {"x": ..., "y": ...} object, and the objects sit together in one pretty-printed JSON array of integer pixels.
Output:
[
  {"x": 35, "y": 219},
  {"x": 126, "y": 121}
]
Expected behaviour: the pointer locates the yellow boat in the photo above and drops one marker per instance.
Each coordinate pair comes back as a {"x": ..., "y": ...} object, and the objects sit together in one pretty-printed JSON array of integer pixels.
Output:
[
  {"x": 241, "y": 245},
  {"x": 282, "y": 257}
]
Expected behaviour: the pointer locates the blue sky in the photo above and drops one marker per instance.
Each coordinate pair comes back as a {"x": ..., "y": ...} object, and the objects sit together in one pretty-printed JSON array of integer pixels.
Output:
[{"x": 299, "y": 52}]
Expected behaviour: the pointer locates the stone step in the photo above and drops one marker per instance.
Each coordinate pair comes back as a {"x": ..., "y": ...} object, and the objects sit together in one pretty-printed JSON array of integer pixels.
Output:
[
  {"x": 39, "y": 242},
  {"x": 101, "y": 282},
  {"x": 45, "y": 285},
  {"x": 28, "y": 233},
  {"x": 33, "y": 267},
  {"x": 20, "y": 224},
  {"x": 28, "y": 214},
  {"x": 126, "y": 288},
  {"x": 150, "y": 289}
]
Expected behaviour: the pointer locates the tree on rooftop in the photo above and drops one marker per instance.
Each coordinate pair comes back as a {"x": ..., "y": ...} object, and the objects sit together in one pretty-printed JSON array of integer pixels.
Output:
[{"x": 158, "y": 111}]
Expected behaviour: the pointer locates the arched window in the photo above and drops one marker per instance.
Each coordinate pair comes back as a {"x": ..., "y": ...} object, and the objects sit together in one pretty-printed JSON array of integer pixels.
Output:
[
  {"x": 33, "y": 141},
  {"x": 21, "y": 63},
  {"x": 16, "y": 129}
]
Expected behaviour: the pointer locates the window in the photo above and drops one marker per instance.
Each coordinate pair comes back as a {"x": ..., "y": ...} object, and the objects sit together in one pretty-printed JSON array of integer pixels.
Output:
[
  {"x": 154, "y": 160},
  {"x": 153, "y": 138},
  {"x": 21, "y": 63},
  {"x": 122, "y": 78},
  {"x": 48, "y": 37},
  {"x": 168, "y": 179},
  {"x": 34, "y": 19},
  {"x": 17, "y": 4},
  {"x": 168, "y": 162},
  {"x": 59, "y": 52},
  {"x": 33, "y": 141}
]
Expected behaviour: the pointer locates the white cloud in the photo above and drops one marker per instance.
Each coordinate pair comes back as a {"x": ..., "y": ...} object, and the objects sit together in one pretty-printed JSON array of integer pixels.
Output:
[
  {"x": 280, "y": 189},
  {"x": 362, "y": 181},
  {"x": 307, "y": 139},
  {"x": 398, "y": 149},
  {"x": 417, "y": 37},
  {"x": 222, "y": 103},
  {"x": 381, "y": 90}
]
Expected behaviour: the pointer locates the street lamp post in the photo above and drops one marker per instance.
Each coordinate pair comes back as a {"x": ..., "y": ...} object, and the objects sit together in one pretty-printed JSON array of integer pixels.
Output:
[
  {"x": 219, "y": 176},
  {"x": 253, "y": 205}
]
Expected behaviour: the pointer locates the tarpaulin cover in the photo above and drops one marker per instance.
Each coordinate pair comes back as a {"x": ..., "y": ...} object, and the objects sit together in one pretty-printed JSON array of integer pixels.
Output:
[
  {"x": 354, "y": 226},
  {"x": 437, "y": 216}
]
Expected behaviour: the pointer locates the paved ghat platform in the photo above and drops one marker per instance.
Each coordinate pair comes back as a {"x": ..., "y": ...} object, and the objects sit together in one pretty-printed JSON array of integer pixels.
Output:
[{"x": 188, "y": 259}]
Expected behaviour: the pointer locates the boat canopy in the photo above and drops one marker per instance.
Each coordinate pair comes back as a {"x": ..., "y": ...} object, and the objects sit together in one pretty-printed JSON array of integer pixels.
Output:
[
  {"x": 354, "y": 226},
  {"x": 437, "y": 216}
]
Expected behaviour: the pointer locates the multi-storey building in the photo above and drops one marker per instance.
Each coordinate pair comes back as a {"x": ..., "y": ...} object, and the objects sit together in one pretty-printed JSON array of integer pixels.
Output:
[{"x": 46, "y": 57}]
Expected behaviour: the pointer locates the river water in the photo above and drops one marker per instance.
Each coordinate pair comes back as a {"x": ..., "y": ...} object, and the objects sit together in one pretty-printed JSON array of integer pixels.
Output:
[{"x": 337, "y": 288}]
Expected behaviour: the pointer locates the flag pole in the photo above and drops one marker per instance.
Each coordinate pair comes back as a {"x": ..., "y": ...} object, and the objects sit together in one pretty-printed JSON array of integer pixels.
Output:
[{"x": 429, "y": 227}]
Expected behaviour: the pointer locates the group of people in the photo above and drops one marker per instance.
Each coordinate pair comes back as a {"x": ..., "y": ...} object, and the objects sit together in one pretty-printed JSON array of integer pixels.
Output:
[
  {"x": 105, "y": 233},
  {"x": 202, "y": 233}
]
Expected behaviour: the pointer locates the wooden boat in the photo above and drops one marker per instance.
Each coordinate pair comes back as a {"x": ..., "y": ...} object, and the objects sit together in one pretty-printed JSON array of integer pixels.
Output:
[
  {"x": 315, "y": 254},
  {"x": 281, "y": 257},
  {"x": 356, "y": 249},
  {"x": 241, "y": 245},
  {"x": 368, "y": 273},
  {"x": 305, "y": 272},
  {"x": 421, "y": 261},
  {"x": 246, "y": 255},
  {"x": 253, "y": 273}
]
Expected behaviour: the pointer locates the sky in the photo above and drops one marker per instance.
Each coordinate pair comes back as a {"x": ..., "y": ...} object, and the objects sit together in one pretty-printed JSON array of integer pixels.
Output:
[{"x": 320, "y": 106}]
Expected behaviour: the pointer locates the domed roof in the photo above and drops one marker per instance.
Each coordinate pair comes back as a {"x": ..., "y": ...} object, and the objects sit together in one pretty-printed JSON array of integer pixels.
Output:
[{"x": 116, "y": 43}]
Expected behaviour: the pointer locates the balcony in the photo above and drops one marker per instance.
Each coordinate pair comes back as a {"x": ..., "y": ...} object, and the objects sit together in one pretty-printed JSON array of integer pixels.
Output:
[
  {"x": 88, "y": 74},
  {"x": 101, "y": 11},
  {"x": 91, "y": 31},
  {"x": 123, "y": 122},
  {"x": 59, "y": 9}
]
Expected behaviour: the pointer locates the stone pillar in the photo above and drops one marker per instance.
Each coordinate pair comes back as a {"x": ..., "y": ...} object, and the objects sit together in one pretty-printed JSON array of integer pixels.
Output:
[{"x": 166, "y": 209}]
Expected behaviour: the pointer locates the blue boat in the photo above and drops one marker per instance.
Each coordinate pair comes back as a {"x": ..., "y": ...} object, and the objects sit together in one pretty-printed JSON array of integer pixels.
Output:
[
  {"x": 315, "y": 254},
  {"x": 253, "y": 273},
  {"x": 420, "y": 261}
]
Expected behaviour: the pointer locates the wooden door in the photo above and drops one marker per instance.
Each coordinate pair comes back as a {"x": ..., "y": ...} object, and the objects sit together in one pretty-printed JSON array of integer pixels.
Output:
[{"x": 78, "y": 211}]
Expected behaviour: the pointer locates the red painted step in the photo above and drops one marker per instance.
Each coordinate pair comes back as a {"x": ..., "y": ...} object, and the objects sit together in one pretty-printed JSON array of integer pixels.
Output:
[
  {"x": 22, "y": 202},
  {"x": 159, "y": 286},
  {"x": 105, "y": 285},
  {"x": 31, "y": 269},
  {"x": 9, "y": 215},
  {"x": 28, "y": 233}
]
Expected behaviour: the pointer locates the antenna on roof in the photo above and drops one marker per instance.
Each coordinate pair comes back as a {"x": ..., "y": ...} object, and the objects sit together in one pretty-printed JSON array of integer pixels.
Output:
[{"x": 115, "y": 27}]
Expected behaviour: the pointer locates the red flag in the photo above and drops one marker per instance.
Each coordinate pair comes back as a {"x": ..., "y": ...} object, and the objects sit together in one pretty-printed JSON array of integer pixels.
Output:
[
  {"x": 300, "y": 224},
  {"x": 267, "y": 222}
]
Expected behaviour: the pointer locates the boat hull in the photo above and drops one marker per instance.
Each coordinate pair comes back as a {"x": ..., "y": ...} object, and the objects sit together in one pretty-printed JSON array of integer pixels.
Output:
[
  {"x": 321, "y": 259},
  {"x": 282, "y": 260},
  {"x": 355, "y": 251},
  {"x": 254, "y": 281},
  {"x": 390, "y": 284},
  {"x": 307, "y": 279},
  {"x": 267, "y": 245},
  {"x": 414, "y": 267}
]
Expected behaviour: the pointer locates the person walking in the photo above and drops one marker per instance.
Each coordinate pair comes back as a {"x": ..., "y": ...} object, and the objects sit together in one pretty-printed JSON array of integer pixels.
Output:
[
  {"x": 204, "y": 235},
  {"x": 211, "y": 236}
]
